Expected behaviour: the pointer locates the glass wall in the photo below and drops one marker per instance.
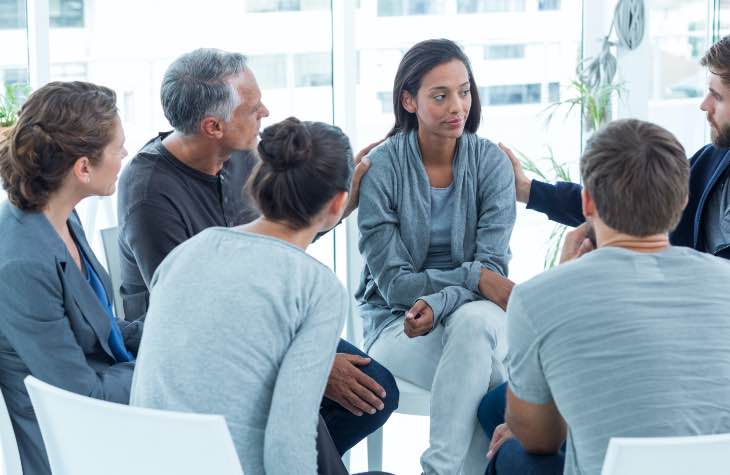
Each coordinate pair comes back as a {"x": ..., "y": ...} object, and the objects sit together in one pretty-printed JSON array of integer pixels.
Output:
[
  {"x": 14, "y": 54},
  {"x": 678, "y": 37},
  {"x": 128, "y": 45}
]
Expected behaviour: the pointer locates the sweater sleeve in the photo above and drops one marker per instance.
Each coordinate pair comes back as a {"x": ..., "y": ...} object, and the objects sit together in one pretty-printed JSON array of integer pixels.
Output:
[
  {"x": 386, "y": 256},
  {"x": 561, "y": 202}
]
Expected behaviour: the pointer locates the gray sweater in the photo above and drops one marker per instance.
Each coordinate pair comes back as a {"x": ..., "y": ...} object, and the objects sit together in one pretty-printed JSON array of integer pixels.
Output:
[
  {"x": 245, "y": 326},
  {"x": 394, "y": 221}
]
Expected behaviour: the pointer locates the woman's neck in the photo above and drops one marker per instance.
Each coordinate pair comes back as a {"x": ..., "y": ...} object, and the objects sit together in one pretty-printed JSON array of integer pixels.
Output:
[
  {"x": 59, "y": 208},
  {"x": 301, "y": 238},
  {"x": 436, "y": 151}
]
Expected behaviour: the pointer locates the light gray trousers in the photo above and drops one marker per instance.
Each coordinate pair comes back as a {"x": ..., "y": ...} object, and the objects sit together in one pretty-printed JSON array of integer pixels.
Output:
[{"x": 457, "y": 361}]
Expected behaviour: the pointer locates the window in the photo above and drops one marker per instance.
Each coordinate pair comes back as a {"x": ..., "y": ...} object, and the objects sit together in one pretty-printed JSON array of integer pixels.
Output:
[
  {"x": 69, "y": 71},
  {"x": 410, "y": 7},
  {"x": 504, "y": 51},
  {"x": 553, "y": 92},
  {"x": 66, "y": 13},
  {"x": 63, "y": 13},
  {"x": 270, "y": 70},
  {"x": 312, "y": 69},
  {"x": 12, "y": 14},
  {"x": 510, "y": 94},
  {"x": 486, "y": 6},
  {"x": 677, "y": 35},
  {"x": 14, "y": 76},
  {"x": 386, "y": 101},
  {"x": 548, "y": 5},
  {"x": 264, "y": 6}
]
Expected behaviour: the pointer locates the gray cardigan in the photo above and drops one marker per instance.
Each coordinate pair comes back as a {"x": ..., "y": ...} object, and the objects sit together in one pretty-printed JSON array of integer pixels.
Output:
[{"x": 394, "y": 221}]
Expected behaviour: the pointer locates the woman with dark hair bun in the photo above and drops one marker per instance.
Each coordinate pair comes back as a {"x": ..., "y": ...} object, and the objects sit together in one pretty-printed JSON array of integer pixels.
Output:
[
  {"x": 56, "y": 299},
  {"x": 242, "y": 322},
  {"x": 437, "y": 209}
]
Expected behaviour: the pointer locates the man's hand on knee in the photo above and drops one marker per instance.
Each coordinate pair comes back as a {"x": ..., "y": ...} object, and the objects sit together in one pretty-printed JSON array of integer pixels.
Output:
[{"x": 351, "y": 388}]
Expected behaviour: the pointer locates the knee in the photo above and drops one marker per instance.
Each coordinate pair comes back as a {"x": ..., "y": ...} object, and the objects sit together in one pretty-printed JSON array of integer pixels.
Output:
[
  {"x": 491, "y": 409},
  {"x": 478, "y": 320},
  {"x": 386, "y": 379}
]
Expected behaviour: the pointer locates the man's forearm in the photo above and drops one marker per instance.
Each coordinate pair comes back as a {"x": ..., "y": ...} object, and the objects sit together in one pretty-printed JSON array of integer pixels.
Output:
[{"x": 539, "y": 427}]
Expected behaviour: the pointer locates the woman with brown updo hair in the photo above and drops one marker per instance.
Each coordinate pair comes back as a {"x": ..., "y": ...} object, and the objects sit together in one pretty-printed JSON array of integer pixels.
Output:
[
  {"x": 242, "y": 322},
  {"x": 57, "y": 322}
]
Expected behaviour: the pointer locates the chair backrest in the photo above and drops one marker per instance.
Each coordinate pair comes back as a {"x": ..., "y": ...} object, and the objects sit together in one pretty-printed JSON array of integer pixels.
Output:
[
  {"x": 705, "y": 454},
  {"x": 82, "y": 436},
  {"x": 110, "y": 241},
  {"x": 9, "y": 456}
]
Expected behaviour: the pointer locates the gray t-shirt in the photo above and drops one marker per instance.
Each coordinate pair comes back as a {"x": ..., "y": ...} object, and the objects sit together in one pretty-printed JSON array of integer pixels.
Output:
[
  {"x": 439, "y": 247},
  {"x": 627, "y": 344},
  {"x": 245, "y": 326}
]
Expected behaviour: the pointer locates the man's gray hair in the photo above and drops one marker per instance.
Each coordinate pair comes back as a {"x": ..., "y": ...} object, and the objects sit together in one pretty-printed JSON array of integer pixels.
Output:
[{"x": 196, "y": 86}]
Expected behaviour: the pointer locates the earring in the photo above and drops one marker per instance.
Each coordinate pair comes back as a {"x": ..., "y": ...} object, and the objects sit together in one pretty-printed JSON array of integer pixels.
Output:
[{"x": 88, "y": 179}]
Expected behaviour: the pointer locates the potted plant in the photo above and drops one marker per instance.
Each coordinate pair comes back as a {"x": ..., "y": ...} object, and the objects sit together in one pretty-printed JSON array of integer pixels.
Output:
[{"x": 10, "y": 103}]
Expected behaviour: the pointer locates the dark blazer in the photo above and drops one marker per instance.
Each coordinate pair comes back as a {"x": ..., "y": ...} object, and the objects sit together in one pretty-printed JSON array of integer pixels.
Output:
[
  {"x": 562, "y": 202},
  {"x": 52, "y": 325}
]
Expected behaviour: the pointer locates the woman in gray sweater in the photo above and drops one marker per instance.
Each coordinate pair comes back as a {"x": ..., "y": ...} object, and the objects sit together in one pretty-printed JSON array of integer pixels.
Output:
[
  {"x": 242, "y": 322},
  {"x": 437, "y": 208}
]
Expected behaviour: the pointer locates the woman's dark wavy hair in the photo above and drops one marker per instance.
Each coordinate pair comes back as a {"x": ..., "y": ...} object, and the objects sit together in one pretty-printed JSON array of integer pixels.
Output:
[
  {"x": 416, "y": 63},
  {"x": 58, "y": 124},
  {"x": 303, "y": 165}
]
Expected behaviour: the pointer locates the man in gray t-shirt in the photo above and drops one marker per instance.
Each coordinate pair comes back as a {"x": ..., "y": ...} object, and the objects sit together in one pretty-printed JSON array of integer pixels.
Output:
[{"x": 631, "y": 340}]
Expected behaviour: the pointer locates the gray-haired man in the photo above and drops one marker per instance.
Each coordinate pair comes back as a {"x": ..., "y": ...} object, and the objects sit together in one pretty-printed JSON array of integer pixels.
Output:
[{"x": 190, "y": 179}]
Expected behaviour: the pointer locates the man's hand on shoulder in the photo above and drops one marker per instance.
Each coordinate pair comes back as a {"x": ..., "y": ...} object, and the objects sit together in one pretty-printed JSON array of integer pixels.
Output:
[
  {"x": 361, "y": 166},
  {"x": 522, "y": 182},
  {"x": 351, "y": 388}
]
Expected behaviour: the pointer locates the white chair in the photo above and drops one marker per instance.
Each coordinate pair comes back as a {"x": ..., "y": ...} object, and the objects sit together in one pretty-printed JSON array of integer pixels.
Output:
[
  {"x": 82, "y": 436},
  {"x": 413, "y": 400},
  {"x": 705, "y": 454},
  {"x": 110, "y": 241},
  {"x": 10, "y": 461}
]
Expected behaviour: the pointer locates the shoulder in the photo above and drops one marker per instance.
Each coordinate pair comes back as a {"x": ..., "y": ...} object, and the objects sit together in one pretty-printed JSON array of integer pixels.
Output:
[
  {"x": 147, "y": 175},
  {"x": 27, "y": 237},
  {"x": 386, "y": 164},
  {"x": 489, "y": 159},
  {"x": 554, "y": 286},
  {"x": 384, "y": 157},
  {"x": 706, "y": 153}
]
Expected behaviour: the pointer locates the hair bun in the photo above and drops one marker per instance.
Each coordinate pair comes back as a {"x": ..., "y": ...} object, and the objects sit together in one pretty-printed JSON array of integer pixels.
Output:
[{"x": 286, "y": 145}]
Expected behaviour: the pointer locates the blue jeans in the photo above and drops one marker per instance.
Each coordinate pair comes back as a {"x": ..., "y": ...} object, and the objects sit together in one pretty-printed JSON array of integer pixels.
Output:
[
  {"x": 348, "y": 429},
  {"x": 511, "y": 459},
  {"x": 491, "y": 409}
]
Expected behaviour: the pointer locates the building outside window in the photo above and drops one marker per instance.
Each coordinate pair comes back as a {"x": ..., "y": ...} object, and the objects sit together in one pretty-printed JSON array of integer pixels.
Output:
[
  {"x": 548, "y": 5},
  {"x": 270, "y": 70},
  {"x": 266, "y": 6},
  {"x": 507, "y": 51},
  {"x": 63, "y": 13},
  {"x": 410, "y": 7},
  {"x": 490, "y": 6},
  {"x": 511, "y": 94},
  {"x": 312, "y": 69}
]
